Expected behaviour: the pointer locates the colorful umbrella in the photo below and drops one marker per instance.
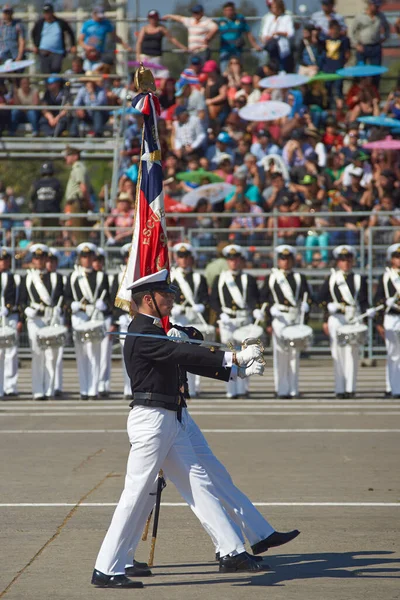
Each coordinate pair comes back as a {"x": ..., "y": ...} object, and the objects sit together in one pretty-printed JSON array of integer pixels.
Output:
[
  {"x": 214, "y": 192},
  {"x": 362, "y": 71},
  {"x": 380, "y": 121},
  {"x": 387, "y": 144},
  {"x": 324, "y": 77},
  {"x": 198, "y": 176},
  {"x": 15, "y": 65},
  {"x": 265, "y": 111},
  {"x": 147, "y": 64},
  {"x": 126, "y": 111},
  {"x": 284, "y": 81}
]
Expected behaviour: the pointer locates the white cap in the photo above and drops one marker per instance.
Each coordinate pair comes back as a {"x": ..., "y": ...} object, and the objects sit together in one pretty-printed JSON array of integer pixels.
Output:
[
  {"x": 86, "y": 247},
  {"x": 223, "y": 156},
  {"x": 285, "y": 249},
  {"x": 5, "y": 252},
  {"x": 125, "y": 249},
  {"x": 39, "y": 249},
  {"x": 100, "y": 252},
  {"x": 155, "y": 281},
  {"x": 393, "y": 248},
  {"x": 184, "y": 247},
  {"x": 356, "y": 171},
  {"x": 233, "y": 250},
  {"x": 54, "y": 253},
  {"x": 344, "y": 249}
]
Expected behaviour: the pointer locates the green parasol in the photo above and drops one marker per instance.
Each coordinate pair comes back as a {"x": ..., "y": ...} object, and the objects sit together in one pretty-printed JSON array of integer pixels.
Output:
[
  {"x": 324, "y": 77},
  {"x": 198, "y": 176}
]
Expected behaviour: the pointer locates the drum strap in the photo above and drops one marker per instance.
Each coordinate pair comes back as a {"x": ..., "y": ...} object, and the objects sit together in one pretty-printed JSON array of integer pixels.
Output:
[
  {"x": 279, "y": 277},
  {"x": 184, "y": 286},
  {"x": 395, "y": 279},
  {"x": 53, "y": 280},
  {"x": 4, "y": 282},
  {"x": 346, "y": 295},
  {"x": 226, "y": 278},
  {"x": 33, "y": 278},
  {"x": 17, "y": 279}
]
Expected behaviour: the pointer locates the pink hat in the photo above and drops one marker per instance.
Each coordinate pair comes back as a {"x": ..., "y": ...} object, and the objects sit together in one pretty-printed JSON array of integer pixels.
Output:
[
  {"x": 246, "y": 79},
  {"x": 210, "y": 66}
]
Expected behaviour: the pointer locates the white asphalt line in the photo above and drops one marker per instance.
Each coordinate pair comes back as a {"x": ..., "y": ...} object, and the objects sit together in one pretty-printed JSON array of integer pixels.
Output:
[
  {"x": 183, "y": 504},
  {"x": 80, "y": 431},
  {"x": 212, "y": 413}
]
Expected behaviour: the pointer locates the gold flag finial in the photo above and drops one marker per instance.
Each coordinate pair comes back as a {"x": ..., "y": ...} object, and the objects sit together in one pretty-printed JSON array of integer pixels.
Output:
[{"x": 144, "y": 80}]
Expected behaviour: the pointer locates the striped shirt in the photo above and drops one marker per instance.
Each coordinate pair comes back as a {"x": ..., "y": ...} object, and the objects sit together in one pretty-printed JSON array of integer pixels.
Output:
[{"x": 198, "y": 32}]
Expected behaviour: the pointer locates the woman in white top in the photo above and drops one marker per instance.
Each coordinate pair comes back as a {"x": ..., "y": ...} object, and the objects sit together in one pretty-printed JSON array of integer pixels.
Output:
[
  {"x": 25, "y": 95},
  {"x": 277, "y": 32}
]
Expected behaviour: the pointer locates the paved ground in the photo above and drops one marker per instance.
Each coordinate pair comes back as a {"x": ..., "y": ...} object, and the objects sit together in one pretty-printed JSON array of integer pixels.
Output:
[{"x": 328, "y": 467}]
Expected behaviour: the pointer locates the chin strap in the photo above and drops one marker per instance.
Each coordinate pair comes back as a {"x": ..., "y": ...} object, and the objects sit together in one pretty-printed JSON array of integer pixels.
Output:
[{"x": 156, "y": 305}]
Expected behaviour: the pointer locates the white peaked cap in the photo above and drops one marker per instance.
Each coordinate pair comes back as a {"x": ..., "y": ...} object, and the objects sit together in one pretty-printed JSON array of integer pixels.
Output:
[
  {"x": 155, "y": 281},
  {"x": 344, "y": 249},
  {"x": 86, "y": 247},
  {"x": 233, "y": 250},
  {"x": 393, "y": 248},
  {"x": 285, "y": 249}
]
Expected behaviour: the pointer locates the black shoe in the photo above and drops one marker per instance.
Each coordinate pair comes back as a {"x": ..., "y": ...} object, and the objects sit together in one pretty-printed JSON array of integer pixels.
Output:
[
  {"x": 128, "y": 397},
  {"x": 257, "y": 559},
  {"x": 140, "y": 565},
  {"x": 395, "y": 396},
  {"x": 283, "y": 397},
  {"x": 93, "y": 397},
  {"x": 350, "y": 395},
  {"x": 275, "y": 539},
  {"x": 104, "y": 394},
  {"x": 385, "y": 395},
  {"x": 340, "y": 396},
  {"x": 217, "y": 556},
  {"x": 58, "y": 393},
  {"x": 241, "y": 562},
  {"x": 11, "y": 395},
  {"x": 40, "y": 398},
  {"x": 84, "y": 397},
  {"x": 136, "y": 571},
  {"x": 113, "y": 581}
]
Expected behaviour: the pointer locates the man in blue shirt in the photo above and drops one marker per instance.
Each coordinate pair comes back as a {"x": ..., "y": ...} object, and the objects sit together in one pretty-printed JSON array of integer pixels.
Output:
[
  {"x": 233, "y": 27},
  {"x": 12, "y": 36},
  {"x": 91, "y": 94},
  {"x": 322, "y": 18},
  {"x": 48, "y": 36},
  {"x": 94, "y": 32}
]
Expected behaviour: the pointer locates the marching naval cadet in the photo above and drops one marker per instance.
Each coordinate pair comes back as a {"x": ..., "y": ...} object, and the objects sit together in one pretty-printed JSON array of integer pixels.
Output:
[
  {"x": 87, "y": 295},
  {"x": 284, "y": 292},
  {"x": 158, "y": 437},
  {"x": 11, "y": 317},
  {"x": 52, "y": 260},
  {"x": 41, "y": 293},
  {"x": 388, "y": 323},
  {"x": 107, "y": 342},
  {"x": 122, "y": 318},
  {"x": 235, "y": 298},
  {"x": 344, "y": 296},
  {"x": 191, "y": 300}
]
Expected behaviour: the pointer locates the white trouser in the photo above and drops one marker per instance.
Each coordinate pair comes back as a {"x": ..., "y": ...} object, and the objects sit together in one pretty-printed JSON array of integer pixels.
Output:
[
  {"x": 345, "y": 358},
  {"x": 88, "y": 361},
  {"x": 238, "y": 387},
  {"x": 391, "y": 324},
  {"x": 10, "y": 377},
  {"x": 105, "y": 358},
  {"x": 43, "y": 361},
  {"x": 242, "y": 513},
  {"x": 159, "y": 440},
  {"x": 2, "y": 360},
  {"x": 58, "y": 382},
  {"x": 188, "y": 319},
  {"x": 123, "y": 322},
  {"x": 286, "y": 360}
]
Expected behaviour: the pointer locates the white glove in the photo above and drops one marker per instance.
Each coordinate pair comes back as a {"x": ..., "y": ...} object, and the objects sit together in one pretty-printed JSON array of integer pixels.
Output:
[
  {"x": 177, "y": 333},
  {"x": 177, "y": 309},
  {"x": 305, "y": 307},
  {"x": 199, "y": 308},
  {"x": 370, "y": 312},
  {"x": 110, "y": 242},
  {"x": 57, "y": 311},
  {"x": 3, "y": 311},
  {"x": 75, "y": 306},
  {"x": 256, "y": 368},
  {"x": 333, "y": 307},
  {"x": 30, "y": 312},
  {"x": 248, "y": 355},
  {"x": 101, "y": 305},
  {"x": 258, "y": 314},
  {"x": 390, "y": 302},
  {"x": 275, "y": 312},
  {"x": 224, "y": 318}
]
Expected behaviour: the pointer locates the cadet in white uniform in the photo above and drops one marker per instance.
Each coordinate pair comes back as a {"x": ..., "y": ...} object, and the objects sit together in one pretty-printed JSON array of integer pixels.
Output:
[
  {"x": 235, "y": 298},
  {"x": 87, "y": 296},
  {"x": 344, "y": 296},
  {"x": 120, "y": 317},
  {"x": 51, "y": 266},
  {"x": 40, "y": 294},
  {"x": 10, "y": 317},
  {"x": 191, "y": 300},
  {"x": 284, "y": 291},
  {"x": 107, "y": 342},
  {"x": 388, "y": 322}
]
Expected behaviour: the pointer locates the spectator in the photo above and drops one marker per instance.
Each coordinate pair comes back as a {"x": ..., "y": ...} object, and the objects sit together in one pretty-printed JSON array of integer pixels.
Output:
[
  {"x": 201, "y": 30},
  {"x": 216, "y": 92},
  {"x": 322, "y": 18},
  {"x": 46, "y": 197},
  {"x": 192, "y": 73},
  {"x": 233, "y": 28},
  {"x": 335, "y": 54},
  {"x": 118, "y": 226},
  {"x": 167, "y": 97},
  {"x": 28, "y": 95},
  {"x": 278, "y": 192},
  {"x": 316, "y": 234},
  {"x": 188, "y": 133},
  {"x": 201, "y": 223},
  {"x": 264, "y": 146},
  {"x": 149, "y": 41},
  {"x": 223, "y": 146},
  {"x": 94, "y": 32},
  {"x": 91, "y": 94},
  {"x": 5, "y": 115},
  {"x": 241, "y": 192},
  {"x": 233, "y": 74},
  {"x": 12, "y": 36},
  {"x": 351, "y": 140},
  {"x": 72, "y": 75},
  {"x": 392, "y": 107},
  {"x": 254, "y": 173},
  {"x": 351, "y": 202},
  {"x": 277, "y": 33},
  {"x": 358, "y": 85},
  {"x": 225, "y": 167},
  {"x": 248, "y": 229},
  {"x": 287, "y": 225},
  {"x": 334, "y": 169},
  {"x": 369, "y": 31},
  {"x": 380, "y": 217},
  {"x": 309, "y": 51},
  {"x": 54, "y": 122},
  {"x": 77, "y": 194},
  {"x": 243, "y": 147},
  {"x": 49, "y": 38},
  {"x": 192, "y": 99}
]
